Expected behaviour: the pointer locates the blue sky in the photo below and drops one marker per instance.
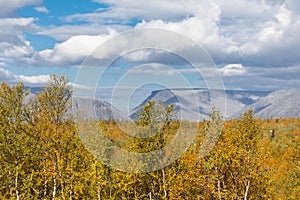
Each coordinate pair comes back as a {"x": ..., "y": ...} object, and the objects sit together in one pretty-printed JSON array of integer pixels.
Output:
[{"x": 254, "y": 43}]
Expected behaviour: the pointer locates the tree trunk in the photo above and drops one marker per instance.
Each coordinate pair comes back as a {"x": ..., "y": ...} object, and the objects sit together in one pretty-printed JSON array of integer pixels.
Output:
[
  {"x": 98, "y": 184},
  {"x": 9, "y": 184},
  {"x": 223, "y": 185},
  {"x": 54, "y": 178},
  {"x": 71, "y": 184},
  {"x": 219, "y": 184},
  {"x": 219, "y": 189},
  {"x": 135, "y": 193},
  {"x": 153, "y": 191},
  {"x": 247, "y": 189},
  {"x": 164, "y": 182},
  {"x": 17, "y": 178},
  {"x": 99, "y": 193},
  {"x": 45, "y": 178},
  {"x": 16, "y": 185},
  {"x": 62, "y": 185}
]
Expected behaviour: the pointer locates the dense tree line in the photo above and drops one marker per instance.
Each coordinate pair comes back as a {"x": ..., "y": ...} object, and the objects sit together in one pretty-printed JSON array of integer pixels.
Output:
[{"x": 42, "y": 155}]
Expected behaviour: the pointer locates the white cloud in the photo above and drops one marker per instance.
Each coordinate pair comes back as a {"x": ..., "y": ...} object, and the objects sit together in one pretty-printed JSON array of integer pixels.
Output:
[
  {"x": 11, "y": 78},
  {"x": 152, "y": 69},
  {"x": 12, "y": 26},
  {"x": 236, "y": 31},
  {"x": 12, "y": 41},
  {"x": 202, "y": 27},
  {"x": 42, "y": 9},
  {"x": 13, "y": 45},
  {"x": 65, "y": 32},
  {"x": 233, "y": 70},
  {"x": 157, "y": 69},
  {"x": 216, "y": 25},
  {"x": 258, "y": 78},
  {"x": 276, "y": 41},
  {"x": 260, "y": 33},
  {"x": 121, "y": 10},
  {"x": 74, "y": 50},
  {"x": 71, "y": 52},
  {"x": 6, "y": 75},
  {"x": 34, "y": 80},
  {"x": 294, "y": 6},
  {"x": 245, "y": 9},
  {"x": 8, "y": 8}
]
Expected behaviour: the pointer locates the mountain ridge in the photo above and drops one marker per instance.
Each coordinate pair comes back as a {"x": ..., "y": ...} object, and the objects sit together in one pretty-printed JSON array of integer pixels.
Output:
[
  {"x": 235, "y": 101},
  {"x": 278, "y": 104},
  {"x": 265, "y": 104}
]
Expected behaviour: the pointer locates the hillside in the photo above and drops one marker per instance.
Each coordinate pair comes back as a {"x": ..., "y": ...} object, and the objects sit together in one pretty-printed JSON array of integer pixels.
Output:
[
  {"x": 96, "y": 109},
  {"x": 277, "y": 104},
  {"x": 186, "y": 104}
]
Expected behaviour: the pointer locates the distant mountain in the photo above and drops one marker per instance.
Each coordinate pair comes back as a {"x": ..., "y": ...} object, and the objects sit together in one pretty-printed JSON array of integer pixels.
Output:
[
  {"x": 277, "y": 104},
  {"x": 34, "y": 90},
  {"x": 189, "y": 107},
  {"x": 89, "y": 108},
  {"x": 96, "y": 109}
]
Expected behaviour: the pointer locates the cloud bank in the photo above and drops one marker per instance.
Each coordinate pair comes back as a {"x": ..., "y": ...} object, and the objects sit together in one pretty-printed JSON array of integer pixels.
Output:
[{"x": 245, "y": 38}]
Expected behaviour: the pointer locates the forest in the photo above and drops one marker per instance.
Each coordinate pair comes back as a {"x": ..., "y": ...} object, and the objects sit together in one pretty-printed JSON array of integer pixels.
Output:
[{"x": 43, "y": 156}]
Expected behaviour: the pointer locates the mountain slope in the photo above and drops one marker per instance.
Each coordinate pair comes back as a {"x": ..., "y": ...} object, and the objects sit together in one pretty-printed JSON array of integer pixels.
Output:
[
  {"x": 278, "y": 104},
  {"x": 88, "y": 108},
  {"x": 188, "y": 107},
  {"x": 95, "y": 109}
]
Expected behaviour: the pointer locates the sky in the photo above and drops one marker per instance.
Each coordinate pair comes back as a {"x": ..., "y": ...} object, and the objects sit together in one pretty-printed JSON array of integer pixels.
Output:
[{"x": 254, "y": 44}]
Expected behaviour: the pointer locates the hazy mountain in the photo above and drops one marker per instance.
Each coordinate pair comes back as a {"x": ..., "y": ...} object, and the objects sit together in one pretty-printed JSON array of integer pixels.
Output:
[
  {"x": 190, "y": 102},
  {"x": 96, "y": 109},
  {"x": 34, "y": 90},
  {"x": 195, "y": 104},
  {"x": 278, "y": 104},
  {"x": 88, "y": 108}
]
